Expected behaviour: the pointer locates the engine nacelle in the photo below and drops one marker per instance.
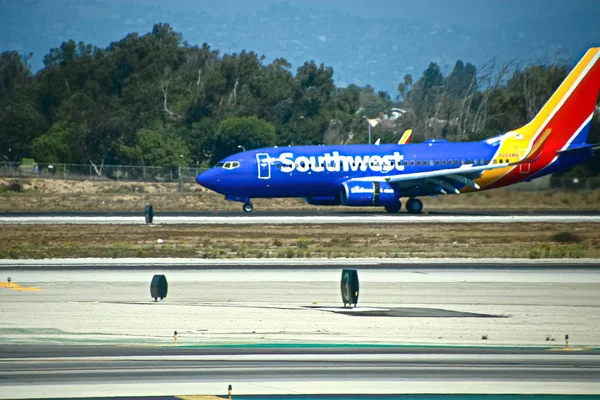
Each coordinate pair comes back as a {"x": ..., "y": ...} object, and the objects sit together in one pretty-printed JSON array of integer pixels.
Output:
[
  {"x": 323, "y": 201},
  {"x": 364, "y": 194}
]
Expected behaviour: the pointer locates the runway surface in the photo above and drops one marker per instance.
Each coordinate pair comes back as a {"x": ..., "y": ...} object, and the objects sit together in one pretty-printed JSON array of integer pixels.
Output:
[
  {"x": 302, "y": 220},
  {"x": 528, "y": 307},
  {"x": 280, "y": 373},
  {"x": 283, "y": 331},
  {"x": 308, "y": 213}
]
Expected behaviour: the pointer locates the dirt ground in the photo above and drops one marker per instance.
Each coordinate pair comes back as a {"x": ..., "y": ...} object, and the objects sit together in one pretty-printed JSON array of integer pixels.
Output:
[
  {"x": 516, "y": 240},
  {"x": 63, "y": 195}
]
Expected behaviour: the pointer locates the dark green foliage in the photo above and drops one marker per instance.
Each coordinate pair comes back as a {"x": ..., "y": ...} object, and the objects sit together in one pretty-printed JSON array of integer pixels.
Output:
[
  {"x": 153, "y": 99},
  {"x": 248, "y": 132}
]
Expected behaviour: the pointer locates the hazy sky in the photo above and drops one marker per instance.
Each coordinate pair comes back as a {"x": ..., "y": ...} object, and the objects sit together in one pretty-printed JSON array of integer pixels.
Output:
[
  {"x": 38, "y": 25},
  {"x": 480, "y": 13}
]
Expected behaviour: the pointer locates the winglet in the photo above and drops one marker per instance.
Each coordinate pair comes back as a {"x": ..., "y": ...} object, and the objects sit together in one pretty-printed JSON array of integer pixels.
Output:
[
  {"x": 405, "y": 137},
  {"x": 377, "y": 142}
]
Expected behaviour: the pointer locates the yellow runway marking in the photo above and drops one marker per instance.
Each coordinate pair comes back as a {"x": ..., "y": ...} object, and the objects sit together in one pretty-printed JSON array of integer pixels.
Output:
[
  {"x": 571, "y": 349},
  {"x": 17, "y": 287},
  {"x": 192, "y": 397}
]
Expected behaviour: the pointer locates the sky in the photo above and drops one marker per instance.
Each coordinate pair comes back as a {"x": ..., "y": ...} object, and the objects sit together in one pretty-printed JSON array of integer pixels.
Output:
[{"x": 37, "y": 25}]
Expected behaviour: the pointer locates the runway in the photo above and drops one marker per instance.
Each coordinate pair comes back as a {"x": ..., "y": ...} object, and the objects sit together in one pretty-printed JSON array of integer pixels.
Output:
[
  {"x": 511, "y": 307},
  {"x": 282, "y": 331},
  {"x": 299, "y": 218},
  {"x": 294, "y": 374}
]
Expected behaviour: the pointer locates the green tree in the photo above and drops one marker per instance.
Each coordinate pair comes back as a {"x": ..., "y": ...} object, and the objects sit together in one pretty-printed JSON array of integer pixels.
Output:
[
  {"x": 249, "y": 132},
  {"x": 20, "y": 121},
  {"x": 53, "y": 146},
  {"x": 155, "y": 147}
]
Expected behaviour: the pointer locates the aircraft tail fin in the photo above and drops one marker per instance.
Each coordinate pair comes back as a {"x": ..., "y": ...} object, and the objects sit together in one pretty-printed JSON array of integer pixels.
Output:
[
  {"x": 405, "y": 139},
  {"x": 569, "y": 111}
]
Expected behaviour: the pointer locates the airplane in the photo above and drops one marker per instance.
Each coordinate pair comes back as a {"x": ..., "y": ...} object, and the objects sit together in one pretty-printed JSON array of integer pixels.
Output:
[{"x": 382, "y": 175}]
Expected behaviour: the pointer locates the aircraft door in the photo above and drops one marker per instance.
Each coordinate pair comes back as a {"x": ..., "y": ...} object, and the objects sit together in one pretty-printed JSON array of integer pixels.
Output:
[
  {"x": 523, "y": 168},
  {"x": 264, "y": 165}
]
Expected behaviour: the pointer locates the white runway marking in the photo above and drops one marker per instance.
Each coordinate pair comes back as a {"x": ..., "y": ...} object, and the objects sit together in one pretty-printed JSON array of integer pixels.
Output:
[{"x": 349, "y": 219}]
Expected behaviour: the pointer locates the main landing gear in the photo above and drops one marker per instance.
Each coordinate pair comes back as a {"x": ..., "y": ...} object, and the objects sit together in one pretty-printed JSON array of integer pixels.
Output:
[
  {"x": 414, "y": 206},
  {"x": 247, "y": 207},
  {"x": 394, "y": 208}
]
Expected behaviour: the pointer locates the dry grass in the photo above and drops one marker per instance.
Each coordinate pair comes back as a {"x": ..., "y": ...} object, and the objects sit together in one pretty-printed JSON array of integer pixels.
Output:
[
  {"x": 531, "y": 240},
  {"x": 107, "y": 196}
]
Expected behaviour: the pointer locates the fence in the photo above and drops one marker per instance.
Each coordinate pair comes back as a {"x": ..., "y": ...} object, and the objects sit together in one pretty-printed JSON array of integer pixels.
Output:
[
  {"x": 166, "y": 174},
  {"x": 108, "y": 172}
]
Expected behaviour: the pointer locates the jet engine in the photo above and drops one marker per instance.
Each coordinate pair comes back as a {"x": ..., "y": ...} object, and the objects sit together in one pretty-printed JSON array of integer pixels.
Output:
[{"x": 361, "y": 194}]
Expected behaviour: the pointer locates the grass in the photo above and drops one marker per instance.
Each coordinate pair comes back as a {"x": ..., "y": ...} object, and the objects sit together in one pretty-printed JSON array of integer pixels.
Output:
[
  {"x": 528, "y": 240},
  {"x": 102, "y": 196}
]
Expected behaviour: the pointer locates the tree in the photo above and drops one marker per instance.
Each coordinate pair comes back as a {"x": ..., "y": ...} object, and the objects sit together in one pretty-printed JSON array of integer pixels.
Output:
[
  {"x": 157, "y": 147},
  {"x": 249, "y": 132},
  {"x": 53, "y": 146},
  {"x": 20, "y": 121}
]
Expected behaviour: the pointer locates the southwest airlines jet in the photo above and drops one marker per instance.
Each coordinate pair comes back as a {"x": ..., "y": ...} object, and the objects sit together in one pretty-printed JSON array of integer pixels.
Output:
[{"x": 382, "y": 175}]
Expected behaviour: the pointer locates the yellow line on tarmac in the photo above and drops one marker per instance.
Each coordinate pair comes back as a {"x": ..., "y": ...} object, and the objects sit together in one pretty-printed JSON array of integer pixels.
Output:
[
  {"x": 571, "y": 349},
  {"x": 17, "y": 287},
  {"x": 192, "y": 397}
]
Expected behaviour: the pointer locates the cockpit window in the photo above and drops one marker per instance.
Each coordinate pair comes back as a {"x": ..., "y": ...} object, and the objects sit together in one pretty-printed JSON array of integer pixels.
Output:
[
  {"x": 219, "y": 165},
  {"x": 229, "y": 164}
]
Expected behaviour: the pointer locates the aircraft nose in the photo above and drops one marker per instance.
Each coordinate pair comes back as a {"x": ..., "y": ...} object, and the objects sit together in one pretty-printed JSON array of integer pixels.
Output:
[{"x": 205, "y": 179}]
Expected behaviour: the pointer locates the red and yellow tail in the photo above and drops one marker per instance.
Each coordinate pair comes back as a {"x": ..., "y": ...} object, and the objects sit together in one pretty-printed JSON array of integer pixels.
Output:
[{"x": 562, "y": 123}]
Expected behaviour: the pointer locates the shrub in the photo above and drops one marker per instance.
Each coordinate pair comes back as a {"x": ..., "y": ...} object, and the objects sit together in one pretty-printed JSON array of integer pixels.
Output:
[
  {"x": 566, "y": 237},
  {"x": 303, "y": 243},
  {"x": 15, "y": 186}
]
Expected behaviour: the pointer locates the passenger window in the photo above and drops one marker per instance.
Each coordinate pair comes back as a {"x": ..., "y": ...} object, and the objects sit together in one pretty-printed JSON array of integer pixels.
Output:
[
  {"x": 443, "y": 162},
  {"x": 278, "y": 165},
  {"x": 405, "y": 163},
  {"x": 431, "y": 162},
  {"x": 437, "y": 162},
  {"x": 455, "y": 162},
  {"x": 475, "y": 162},
  {"x": 469, "y": 162},
  {"x": 462, "y": 162},
  {"x": 419, "y": 163},
  {"x": 412, "y": 163},
  {"x": 482, "y": 161}
]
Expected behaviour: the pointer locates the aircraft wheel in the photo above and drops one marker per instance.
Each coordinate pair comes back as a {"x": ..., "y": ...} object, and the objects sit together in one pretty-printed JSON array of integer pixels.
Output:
[
  {"x": 247, "y": 207},
  {"x": 414, "y": 206},
  {"x": 393, "y": 208}
]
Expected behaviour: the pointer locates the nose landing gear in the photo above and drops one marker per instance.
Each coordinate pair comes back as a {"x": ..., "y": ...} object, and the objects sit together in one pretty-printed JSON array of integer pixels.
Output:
[{"x": 247, "y": 207}]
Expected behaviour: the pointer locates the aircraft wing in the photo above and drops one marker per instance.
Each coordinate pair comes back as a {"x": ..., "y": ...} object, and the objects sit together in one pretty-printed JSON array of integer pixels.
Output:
[{"x": 448, "y": 179}]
